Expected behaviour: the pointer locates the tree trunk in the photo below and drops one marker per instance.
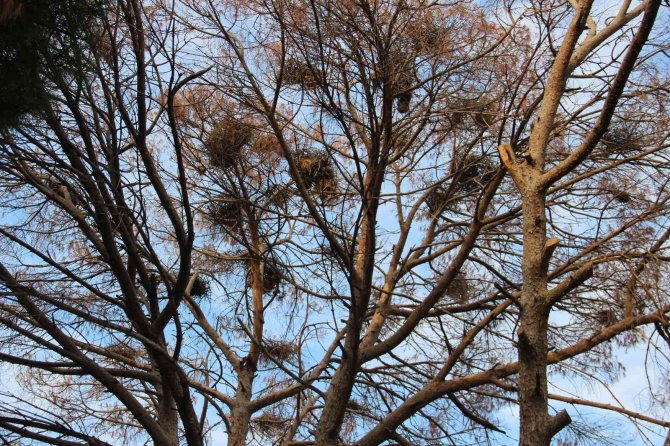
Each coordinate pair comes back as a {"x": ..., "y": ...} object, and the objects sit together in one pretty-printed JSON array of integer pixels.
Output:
[
  {"x": 337, "y": 397},
  {"x": 342, "y": 384},
  {"x": 240, "y": 416},
  {"x": 168, "y": 417},
  {"x": 537, "y": 426}
]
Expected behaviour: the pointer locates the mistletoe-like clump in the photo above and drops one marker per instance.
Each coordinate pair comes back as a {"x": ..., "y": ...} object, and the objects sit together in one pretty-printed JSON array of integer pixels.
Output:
[
  {"x": 226, "y": 142},
  {"x": 226, "y": 214},
  {"x": 300, "y": 74}
]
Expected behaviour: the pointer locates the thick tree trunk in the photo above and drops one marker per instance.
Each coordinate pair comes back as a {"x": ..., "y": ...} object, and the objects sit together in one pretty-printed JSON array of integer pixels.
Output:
[
  {"x": 532, "y": 346},
  {"x": 240, "y": 416},
  {"x": 342, "y": 384},
  {"x": 537, "y": 426},
  {"x": 337, "y": 397},
  {"x": 174, "y": 401},
  {"x": 168, "y": 417},
  {"x": 533, "y": 403}
]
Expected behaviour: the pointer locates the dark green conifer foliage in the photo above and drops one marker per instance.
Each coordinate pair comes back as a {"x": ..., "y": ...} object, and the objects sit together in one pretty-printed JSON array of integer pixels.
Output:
[{"x": 42, "y": 42}]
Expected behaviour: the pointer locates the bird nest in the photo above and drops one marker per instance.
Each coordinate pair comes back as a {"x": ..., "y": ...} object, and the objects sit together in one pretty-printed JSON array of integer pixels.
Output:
[
  {"x": 279, "y": 195},
  {"x": 485, "y": 118},
  {"x": 226, "y": 214},
  {"x": 200, "y": 287},
  {"x": 459, "y": 289},
  {"x": 619, "y": 195},
  {"x": 457, "y": 113},
  {"x": 103, "y": 47},
  {"x": 272, "y": 275},
  {"x": 403, "y": 102},
  {"x": 432, "y": 41},
  {"x": 473, "y": 171},
  {"x": 402, "y": 82},
  {"x": 315, "y": 167},
  {"x": 226, "y": 142},
  {"x": 280, "y": 351},
  {"x": 318, "y": 174},
  {"x": 621, "y": 139},
  {"x": 269, "y": 424},
  {"x": 125, "y": 350},
  {"x": 400, "y": 71},
  {"x": 464, "y": 113},
  {"x": 605, "y": 317},
  {"x": 299, "y": 73}
]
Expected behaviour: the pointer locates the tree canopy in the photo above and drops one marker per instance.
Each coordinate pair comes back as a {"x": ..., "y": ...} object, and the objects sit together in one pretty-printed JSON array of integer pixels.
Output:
[{"x": 356, "y": 222}]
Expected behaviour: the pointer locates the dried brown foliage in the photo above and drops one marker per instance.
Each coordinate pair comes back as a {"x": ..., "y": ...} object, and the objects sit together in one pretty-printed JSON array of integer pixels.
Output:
[{"x": 339, "y": 223}]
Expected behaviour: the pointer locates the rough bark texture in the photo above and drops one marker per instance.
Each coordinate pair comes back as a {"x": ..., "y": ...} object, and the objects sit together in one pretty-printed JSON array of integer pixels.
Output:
[
  {"x": 240, "y": 415},
  {"x": 537, "y": 427},
  {"x": 339, "y": 391},
  {"x": 168, "y": 417},
  {"x": 532, "y": 334}
]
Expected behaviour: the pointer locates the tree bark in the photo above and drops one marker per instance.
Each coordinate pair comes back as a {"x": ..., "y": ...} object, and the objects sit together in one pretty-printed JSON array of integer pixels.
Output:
[
  {"x": 532, "y": 334},
  {"x": 168, "y": 417},
  {"x": 241, "y": 411},
  {"x": 240, "y": 416},
  {"x": 342, "y": 384},
  {"x": 537, "y": 427}
]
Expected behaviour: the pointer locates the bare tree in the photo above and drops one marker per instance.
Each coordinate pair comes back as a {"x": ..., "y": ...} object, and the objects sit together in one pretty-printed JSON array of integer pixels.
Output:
[{"x": 352, "y": 222}]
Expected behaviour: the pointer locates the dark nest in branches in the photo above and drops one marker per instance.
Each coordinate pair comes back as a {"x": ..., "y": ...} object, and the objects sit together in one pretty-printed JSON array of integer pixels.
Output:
[
  {"x": 456, "y": 118},
  {"x": 605, "y": 317},
  {"x": 474, "y": 171},
  {"x": 403, "y": 101},
  {"x": 400, "y": 70},
  {"x": 430, "y": 39},
  {"x": 619, "y": 195},
  {"x": 200, "y": 287},
  {"x": 315, "y": 167},
  {"x": 621, "y": 138},
  {"x": 280, "y": 351},
  {"x": 123, "y": 349},
  {"x": 438, "y": 199},
  {"x": 103, "y": 46},
  {"x": 403, "y": 79},
  {"x": 226, "y": 142},
  {"x": 299, "y": 73},
  {"x": 482, "y": 114},
  {"x": 279, "y": 196},
  {"x": 457, "y": 113},
  {"x": 355, "y": 406},
  {"x": 226, "y": 214},
  {"x": 272, "y": 275},
  {"x": 269, "y": 424},
  {"x": 485, "y": 118},
  {"x": 459, "y": 288}
]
